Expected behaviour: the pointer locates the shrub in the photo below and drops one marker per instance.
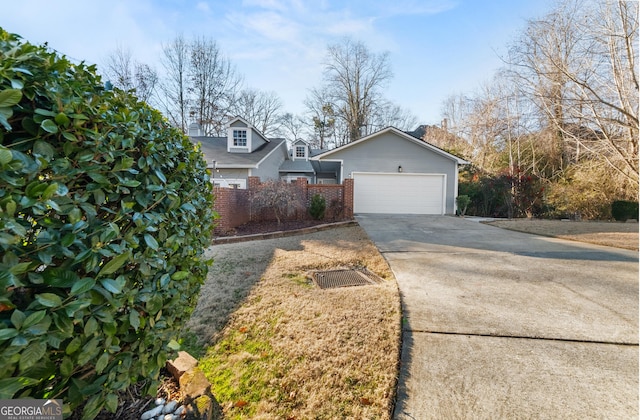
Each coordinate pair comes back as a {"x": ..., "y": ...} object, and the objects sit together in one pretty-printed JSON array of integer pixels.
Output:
[
  {"x": 278, "y": 196},
  {"x": 463, "y": 202},
  {"x": 317, "y": 207},
  {"x": 336, "y": 209},
  {"x": 622, "y": 210},
  {"x": 104, "y": 213}
]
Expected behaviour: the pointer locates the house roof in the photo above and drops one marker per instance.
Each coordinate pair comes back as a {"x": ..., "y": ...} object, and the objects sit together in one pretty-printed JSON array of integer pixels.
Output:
[
  {"x": 326, "y": 167},
  {"x": 316, "y": 152},
  {"x": 399, "y": 133},
  {"x": 298, "y": 165},
  {"x": 215, "y": 148},
  {"x": 249, "y": 126}
]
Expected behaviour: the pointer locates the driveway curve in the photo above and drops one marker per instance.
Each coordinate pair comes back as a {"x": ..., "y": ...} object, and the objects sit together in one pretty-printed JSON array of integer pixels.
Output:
[{"x": 503, "y": 324}]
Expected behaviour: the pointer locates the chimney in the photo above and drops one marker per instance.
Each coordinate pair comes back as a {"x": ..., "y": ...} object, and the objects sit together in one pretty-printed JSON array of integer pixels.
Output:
[
  {"x": 194, "y": 130},
  {"x": 444, "y": 124}
]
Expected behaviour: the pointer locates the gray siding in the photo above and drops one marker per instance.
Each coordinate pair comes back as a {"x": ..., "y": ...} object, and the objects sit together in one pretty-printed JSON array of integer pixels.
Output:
[
  {"x": 231, "y": 174},
  {"x": 384, "y": 153},
  {"x": 268, "y": 168},
  {"x": 238, "y": 124}
]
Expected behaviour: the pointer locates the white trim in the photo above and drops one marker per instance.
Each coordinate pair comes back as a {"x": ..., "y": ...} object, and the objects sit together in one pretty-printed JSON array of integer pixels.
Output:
[
  {"x": 249, "y": 126},
  {"x": 242, "y": 120},
  {"x": 229, "y": 182},
  {"x": 231, "y": 148},
  {"x": 455, "y": 190},
  {"x": 326, "y": 181},
  {"x": 341, "y": 161},
  {"x": 290, "y": 178},
  {"x": 398, "y": 133},
  {"x": 255, "y": 165},
  {"x": 295, "y": 156}
]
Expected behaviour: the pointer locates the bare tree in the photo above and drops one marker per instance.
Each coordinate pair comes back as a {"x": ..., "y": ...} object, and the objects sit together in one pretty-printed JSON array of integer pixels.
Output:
[
  {"x": 388, "y": 114},
  {"x": 278, "y": 196},
  {"x": 564, "y": 110},
  {"x": 119, "y": 68},
  {"x": 579, "y": 64},
  {"x": 175, "y": 101},
  {"x": 323, "y": 117},
  {"x": 354, "y": 78},
  {"x": 128, "y": 74},
  {"x": 292, "y": 127},
  {"x": 146, "y": 80},
  {"x": 213, "y": 85},
  {"x": 261, "y": 109}
]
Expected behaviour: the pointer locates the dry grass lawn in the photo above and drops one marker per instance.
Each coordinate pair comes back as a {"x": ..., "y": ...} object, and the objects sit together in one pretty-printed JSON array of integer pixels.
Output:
[
  {"x": 281, "y": 347},
  {"x": 615, "y": 234}
]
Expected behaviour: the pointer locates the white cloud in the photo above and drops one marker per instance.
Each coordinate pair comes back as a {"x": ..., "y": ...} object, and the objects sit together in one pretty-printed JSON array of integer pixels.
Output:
[
  {"x": 203, "y": 6},
  {"x": 266, "y": 4},
  {"x": 278, "y": 44},
  {"x": 87, "y": 31},
  {"x": 350, "y": 26}
]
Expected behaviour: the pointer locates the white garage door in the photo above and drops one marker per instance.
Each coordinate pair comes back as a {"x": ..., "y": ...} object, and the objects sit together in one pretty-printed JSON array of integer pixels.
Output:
[{"x": 398, "y": 193}]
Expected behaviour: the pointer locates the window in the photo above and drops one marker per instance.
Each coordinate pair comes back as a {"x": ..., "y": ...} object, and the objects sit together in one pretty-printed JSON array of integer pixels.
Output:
[
  {"x": 300, "y": 151},
  {"x": 240, "y": 138}
]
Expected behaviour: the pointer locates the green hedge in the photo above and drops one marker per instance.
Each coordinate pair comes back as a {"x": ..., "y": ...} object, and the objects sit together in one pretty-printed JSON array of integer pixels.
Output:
[
  {"x": 623, "y": 210},
  {"x": 317, "y": 207},
  {"x": 104, "y": 213}
]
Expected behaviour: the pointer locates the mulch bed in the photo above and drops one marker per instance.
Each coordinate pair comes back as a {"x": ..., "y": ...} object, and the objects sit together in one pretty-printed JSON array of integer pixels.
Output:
[
  {"x": 133, "y": 402},
  {"x": 267, "y": 226}
]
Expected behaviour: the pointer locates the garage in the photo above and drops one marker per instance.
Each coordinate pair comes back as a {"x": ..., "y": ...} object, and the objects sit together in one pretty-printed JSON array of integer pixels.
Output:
[
  {"x": 395, "y": 172},
  {"x": 399, "y": 193}
]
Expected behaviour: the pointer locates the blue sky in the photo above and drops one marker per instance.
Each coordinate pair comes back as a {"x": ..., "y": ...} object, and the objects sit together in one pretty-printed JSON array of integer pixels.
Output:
[{"x": 437, "y": 47}]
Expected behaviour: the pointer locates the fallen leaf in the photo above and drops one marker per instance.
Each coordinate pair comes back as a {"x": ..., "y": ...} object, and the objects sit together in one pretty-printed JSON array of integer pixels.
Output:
[
  {"x": 240, "y": 404},
  {"x": 365, "y": 401},
  {"x": 5, "y": 307},
  {"x": 243, "y": 329}
]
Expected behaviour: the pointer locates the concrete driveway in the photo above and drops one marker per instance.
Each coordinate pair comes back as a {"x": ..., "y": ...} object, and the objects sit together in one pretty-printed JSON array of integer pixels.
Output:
[{"x": 501, "y": 324}]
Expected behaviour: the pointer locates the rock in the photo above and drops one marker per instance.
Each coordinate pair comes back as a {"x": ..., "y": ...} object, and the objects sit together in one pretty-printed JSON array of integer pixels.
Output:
[
  {"x": 180, "y": 410},
  {"x": 200, "y": 408},
  {"x": 183, "y": 363},
  {"x": 160, "y": 401},
  {"x": 193, "y": 384},
  {"x": 170, "y": 407},
  {"x": 170, "y": 417},
  {"x": 148, "y": 415}
]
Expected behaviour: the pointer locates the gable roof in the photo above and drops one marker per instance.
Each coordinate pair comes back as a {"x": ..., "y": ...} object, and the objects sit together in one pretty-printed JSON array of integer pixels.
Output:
[
  {"x": 298, "y": 165},
  {"x": 400, "y": 134},
  {"x": 248, "y": 126},
  {"x": 215, "y": 148}
]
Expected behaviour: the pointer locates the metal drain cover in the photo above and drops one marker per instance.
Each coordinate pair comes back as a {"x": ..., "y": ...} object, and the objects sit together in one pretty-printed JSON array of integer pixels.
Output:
[{"x": 342, "y": 278}]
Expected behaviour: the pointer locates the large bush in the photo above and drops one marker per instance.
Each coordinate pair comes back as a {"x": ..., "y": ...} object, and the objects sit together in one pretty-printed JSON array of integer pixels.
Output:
[
  {"x": 623, "y": 210},
  {"x": 279, "y": 197},
  {"x": 104, "y": 213},
  {"x": 585, "y": 192},
  {"x": 510, "y": 193}
]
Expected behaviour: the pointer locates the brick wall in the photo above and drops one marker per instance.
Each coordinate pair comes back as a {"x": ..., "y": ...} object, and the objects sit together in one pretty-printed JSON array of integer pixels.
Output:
[{"x": 234, "y": 205}]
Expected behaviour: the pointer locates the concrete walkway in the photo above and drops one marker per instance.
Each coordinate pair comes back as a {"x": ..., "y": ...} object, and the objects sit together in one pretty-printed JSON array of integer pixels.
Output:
[{"x": 502, "y": 324}]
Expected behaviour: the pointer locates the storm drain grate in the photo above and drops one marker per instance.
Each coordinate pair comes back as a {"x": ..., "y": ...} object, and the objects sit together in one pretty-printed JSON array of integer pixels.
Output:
[{"x": 343, "y": 278}]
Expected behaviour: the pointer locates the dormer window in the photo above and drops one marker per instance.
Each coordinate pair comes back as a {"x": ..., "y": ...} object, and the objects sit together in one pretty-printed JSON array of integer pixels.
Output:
[
  {"x": 301, "y": 151},
  {"x": 240, "y": 138}
]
